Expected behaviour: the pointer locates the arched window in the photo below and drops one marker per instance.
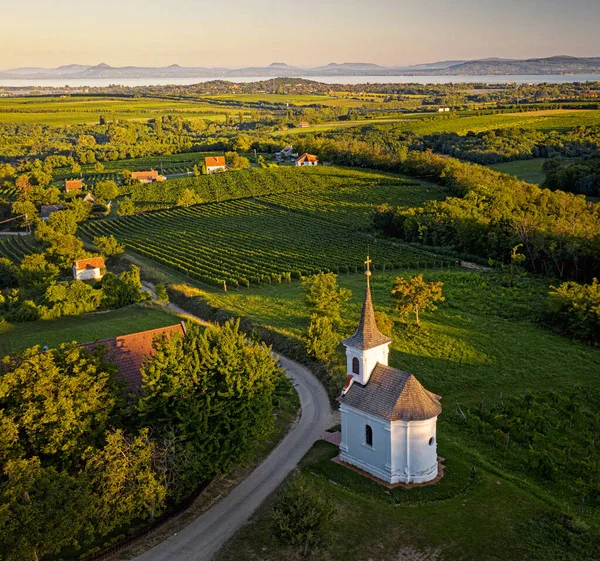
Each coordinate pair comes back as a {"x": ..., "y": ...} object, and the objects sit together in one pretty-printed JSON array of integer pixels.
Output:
[
  {"x": 368, "y": 435},
  {"x": 355, "y": 366},
  {"x": 431, "y": 441}
]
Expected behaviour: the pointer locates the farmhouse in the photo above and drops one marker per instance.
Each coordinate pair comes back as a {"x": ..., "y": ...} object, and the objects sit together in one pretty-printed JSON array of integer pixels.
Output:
[
  {"x": 286, "y": 154},
  {"x": 388, "y": 417},
  {"x": 215, "y": 164},
  {"x": 128, "y": 352},
  {"x": 47, "y": 210},
  {"x": 307, "y": 160},
  {"x": 89, "y": 269},
  {"x": 303, "y": 125},
  {"x": 147, "y": 176},
  {"x": 443, "y": 109},
  {"x": 73, "y": 184}
]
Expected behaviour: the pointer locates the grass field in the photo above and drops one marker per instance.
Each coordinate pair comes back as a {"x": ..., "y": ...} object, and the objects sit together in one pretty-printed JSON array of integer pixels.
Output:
[
  {"x": 15, "y": 337},
  {"x": 555, "y": 119},
  {"x": 482, "y": 340},
  {"x": 526, "y": 170},
  {"x": 83, "y": 110}
]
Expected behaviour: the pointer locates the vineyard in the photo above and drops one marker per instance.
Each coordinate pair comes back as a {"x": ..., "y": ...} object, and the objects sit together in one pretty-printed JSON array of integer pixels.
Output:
[
  {"x": 352, "y": 204},
  {"x": 16, "y": 247},
  {"x": 357, "y": 191},
  {"x": 245, "y": 242},
  {"x": 8, "y": 193}
]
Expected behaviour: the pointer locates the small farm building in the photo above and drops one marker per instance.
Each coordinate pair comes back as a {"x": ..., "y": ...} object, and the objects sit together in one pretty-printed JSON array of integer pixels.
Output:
[
  {"x": 73, "y": 185},
  {"x": 147, "y": 176},
  {"x": 215, "y": 164},
  {"x": 89, "y": 269},
  {"x": 307, "y": 160}
]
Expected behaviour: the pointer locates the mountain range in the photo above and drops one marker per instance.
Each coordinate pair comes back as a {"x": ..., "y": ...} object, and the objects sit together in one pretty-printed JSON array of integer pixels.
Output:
[{"x": 482, "y": 67}]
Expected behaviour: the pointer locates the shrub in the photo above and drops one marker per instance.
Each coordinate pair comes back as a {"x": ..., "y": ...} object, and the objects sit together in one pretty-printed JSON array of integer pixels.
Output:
[{"x": 302, "y": 515}]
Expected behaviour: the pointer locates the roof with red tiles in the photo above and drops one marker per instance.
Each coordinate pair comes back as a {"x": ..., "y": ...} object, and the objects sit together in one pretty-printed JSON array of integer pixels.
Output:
[
  {"x": 214, "y": 161},
  {"x": 142, "y": 175},
  {"x": 307, "y": 157},
  {"x": 73, "y": 184},
  {"x": 130, "y": 351},
  {"x": 90, "y": 263}
]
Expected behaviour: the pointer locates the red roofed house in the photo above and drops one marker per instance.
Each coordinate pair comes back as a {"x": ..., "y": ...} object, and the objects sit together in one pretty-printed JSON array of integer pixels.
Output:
[
  {"x": 147, "y": 176},
  {"x": 73, "y": 184},
  {"x": 89, "y": 269},
  {"x": 307, "y": 160},
  {"x": 388, "y": 417},
  {"x": 303, "y": 125},
  {"x": 215, "y": 164},
  {"x": 128, "y": 352}
]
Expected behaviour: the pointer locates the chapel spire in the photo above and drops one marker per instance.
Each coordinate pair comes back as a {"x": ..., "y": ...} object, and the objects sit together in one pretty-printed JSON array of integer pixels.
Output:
[{"x": 367, "y": 335}]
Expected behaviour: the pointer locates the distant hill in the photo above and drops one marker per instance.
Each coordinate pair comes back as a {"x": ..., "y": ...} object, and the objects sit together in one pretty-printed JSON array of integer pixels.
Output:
[{"x": 490, "y": 66}]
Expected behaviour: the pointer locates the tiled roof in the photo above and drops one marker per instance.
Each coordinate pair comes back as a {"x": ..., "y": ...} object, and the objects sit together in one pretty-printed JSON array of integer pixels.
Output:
[
  {"x": 393, "y": 395},
  {"x": 367, "y": 335},
  {"x": 47, "y": 210},
  {"x": 214, "y": 161},
  {"x": 152, "y": 174},
  {"x": 129, "y": 351},
  {"x": 307, "y": 157},
  {"x": 72, "y": 184},
  {"x": 91, "y": 263}
]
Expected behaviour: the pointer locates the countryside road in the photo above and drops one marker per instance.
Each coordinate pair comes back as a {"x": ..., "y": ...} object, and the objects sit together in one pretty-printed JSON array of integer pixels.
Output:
[{"x": 202, "y": 539}]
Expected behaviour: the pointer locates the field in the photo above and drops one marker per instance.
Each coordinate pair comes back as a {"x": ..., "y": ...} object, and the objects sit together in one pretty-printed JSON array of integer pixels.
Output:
[
  {"x": 482, "y": 341},
  {"x": 16, "y": 247},
  {"x": 83, "y": 329},
  {"x": 555, "y": 119},
  {"x": 344, "y": 193},
  {"x": 82, "y": 110},
  {"x": 245, "y": 242},
  {"x": 526, "y": 170}
]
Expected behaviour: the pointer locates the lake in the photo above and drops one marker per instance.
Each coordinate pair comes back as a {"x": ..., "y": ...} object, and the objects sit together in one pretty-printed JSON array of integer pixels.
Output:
[{"x": 102, "y": 82}]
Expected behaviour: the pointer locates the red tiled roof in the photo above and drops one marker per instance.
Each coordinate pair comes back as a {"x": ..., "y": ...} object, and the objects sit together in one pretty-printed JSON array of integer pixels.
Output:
[
  {"x": 307, "y": 157},
  {"x": 72, "y": 184},
  {"x": 129, "y": 351},
  {"x": 211, "y": 161},
  {"x": 91, "y": 263},
  {"x": 152, "y": 174}
]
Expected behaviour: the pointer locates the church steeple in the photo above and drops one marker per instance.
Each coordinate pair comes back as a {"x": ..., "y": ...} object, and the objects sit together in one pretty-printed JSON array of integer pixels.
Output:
[{"x": 367, "y": 335}]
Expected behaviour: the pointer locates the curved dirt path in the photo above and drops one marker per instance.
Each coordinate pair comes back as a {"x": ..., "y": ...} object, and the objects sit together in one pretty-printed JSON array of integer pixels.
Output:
[{"x": 203, "y": 537}]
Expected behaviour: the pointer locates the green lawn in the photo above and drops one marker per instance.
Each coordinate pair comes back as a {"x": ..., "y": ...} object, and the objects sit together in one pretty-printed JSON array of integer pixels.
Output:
[
  {"x": 482, "y": 340},
  {"x": 15, "y": 337},
  {"x": 526, "y": 170}
]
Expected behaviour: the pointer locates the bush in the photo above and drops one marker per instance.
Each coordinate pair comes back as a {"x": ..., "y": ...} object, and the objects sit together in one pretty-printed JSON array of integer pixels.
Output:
[
  {"x": 302, "y": 515},
  {"x": 384, "y": 323},
  {"x": 574, "y": 309},
  {"x": 161, "y": 293},
  {"x": 321, "y": 340}
]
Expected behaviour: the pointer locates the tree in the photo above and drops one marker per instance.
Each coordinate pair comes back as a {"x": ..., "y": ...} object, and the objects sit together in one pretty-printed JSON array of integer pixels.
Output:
[
  {"x": 161, "y": 293},
  {"x": 212, "y": 391},
  {"x": 64, "y": 249},
  {"x": 126, "y": 207},
  {"x": 8, "y": 276},
  {"x": 60, "y": 401},
  {"x": 106, "y": 189},
  {"x": 42, "y": 511},
  {"x": 123, "y": 290},
  {"x": 63, "y": 222},
  {"x": 325, "y": 297},
  {"x": 36, "y": 273},
  {"x": 321, "y": 340},
  {"x": 574, "y": 309},
  {"x": 109, "y": 246},
  {"x": 70, "y": 299},
  {"x": 242, "y": 143},
  {"x": 126, "y": 480},
  {"x": 415, "y": 295},
  {"x": 188, "y": 197},
  {"x": 302, "y": 515},
  {"x": 235, "y": 161},
  {"x": 384, "y": 323}
]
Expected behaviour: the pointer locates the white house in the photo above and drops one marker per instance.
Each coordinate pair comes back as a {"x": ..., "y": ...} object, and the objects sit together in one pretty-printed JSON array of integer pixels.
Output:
[
  {"x": 215, "y": 164},
  {"x": 388, "y": 417},
  {"x": 92, "y": 268},
  {"x": 307, "y": 160}
]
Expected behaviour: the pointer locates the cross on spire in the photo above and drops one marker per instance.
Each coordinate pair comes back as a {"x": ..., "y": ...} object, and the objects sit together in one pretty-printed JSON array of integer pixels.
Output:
[{"x": 368, "y": 264}]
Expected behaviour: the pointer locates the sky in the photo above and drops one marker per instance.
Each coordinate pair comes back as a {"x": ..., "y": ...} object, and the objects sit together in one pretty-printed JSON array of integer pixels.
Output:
[{"x": 237, "y": 33}]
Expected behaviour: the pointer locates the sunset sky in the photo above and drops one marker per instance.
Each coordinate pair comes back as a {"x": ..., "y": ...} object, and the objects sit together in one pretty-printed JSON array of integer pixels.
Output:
[{"x": 236, "y": 33}]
